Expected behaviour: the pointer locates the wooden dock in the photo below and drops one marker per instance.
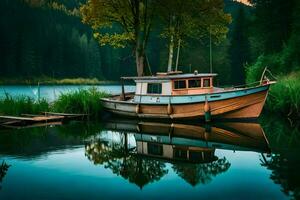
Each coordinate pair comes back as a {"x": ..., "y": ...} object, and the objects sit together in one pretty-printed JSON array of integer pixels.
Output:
[{"x": 47, "y": 118}]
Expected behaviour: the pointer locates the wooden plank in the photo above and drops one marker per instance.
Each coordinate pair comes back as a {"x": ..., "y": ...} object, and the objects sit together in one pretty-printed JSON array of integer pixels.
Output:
[
  {"x": 31, "y": 125},
  {"x": 64, "y": 114},
  {"x": 17, "y": 118},
  {"x": 47, "y": 118},
  {"x": 31, "y": 115},
  {"x": 14, "y": 119}
]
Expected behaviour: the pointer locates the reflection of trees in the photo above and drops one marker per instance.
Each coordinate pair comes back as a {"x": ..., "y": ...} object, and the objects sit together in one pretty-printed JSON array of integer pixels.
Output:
[
  {"x": 3, "y": 170},
  {"x": 284, "y": 162},
  {"x": 138, "y": 170},
  {"x": 38, "y": 141},
  {"x": 201, "y": 173},
  {"x": 117, "y": 157},
  {"x": 285, "y": 171}
]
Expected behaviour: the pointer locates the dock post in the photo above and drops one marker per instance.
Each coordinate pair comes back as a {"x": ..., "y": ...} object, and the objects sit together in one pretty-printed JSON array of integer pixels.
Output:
[
  {"x": 123, "y": 90},
  {"x": 39, "y": 91},
  {"x": 207, "y": 113}
]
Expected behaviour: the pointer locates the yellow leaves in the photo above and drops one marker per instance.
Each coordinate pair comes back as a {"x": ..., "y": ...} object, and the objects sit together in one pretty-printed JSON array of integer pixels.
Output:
[
  {"x": 35, "y": 3},
  {"x": 116, "y": 40}
]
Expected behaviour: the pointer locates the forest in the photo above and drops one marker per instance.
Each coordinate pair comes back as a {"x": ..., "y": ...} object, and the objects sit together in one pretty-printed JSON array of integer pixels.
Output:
[{"x": 45, "y": 41}]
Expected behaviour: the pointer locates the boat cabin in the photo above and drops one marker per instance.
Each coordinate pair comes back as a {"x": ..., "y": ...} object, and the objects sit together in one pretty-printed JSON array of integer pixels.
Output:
[
  {"x": 175, "y": 152},
  {"x": 174, "y": 84}
]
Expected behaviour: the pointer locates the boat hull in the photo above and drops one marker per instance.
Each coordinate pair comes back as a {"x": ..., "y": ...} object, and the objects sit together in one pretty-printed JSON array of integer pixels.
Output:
[{"x": 244, "y": 105}]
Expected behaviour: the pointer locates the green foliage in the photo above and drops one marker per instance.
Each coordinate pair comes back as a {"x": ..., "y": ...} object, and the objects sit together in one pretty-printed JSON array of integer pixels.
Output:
[
  {"x": 39, "y": 41},
  {"x": 128, "y": 22},
  {"x": 239, "y": 48},
  {"x": 194, "y": 19},
  {"x": 80, "y": 101},
  {"x": 22, "y": 105},
  {"x": 77, "y": 102},
  {"x": 284, "y": 96},
  {"x": 254, "y": 72}
]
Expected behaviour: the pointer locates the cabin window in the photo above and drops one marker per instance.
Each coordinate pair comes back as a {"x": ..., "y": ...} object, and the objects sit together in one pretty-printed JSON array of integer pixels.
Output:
[
  {"x": 180, "y": 154},
  {"x": 196, "y": 156},
  {"x": 194, "y": 83},
  {"x": 206, "y": 82},
  {"x": 155, "y": 149},
  {"x": 154, "y": 88},
  {"x": 180, "y": 84}
]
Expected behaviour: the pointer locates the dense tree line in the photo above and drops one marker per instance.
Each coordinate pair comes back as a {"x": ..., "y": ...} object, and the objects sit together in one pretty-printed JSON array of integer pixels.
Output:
[
  {"x": 39, "y": 41},
  {"x": 43, "y": 42},
  {"x": 273, "y": 37}
]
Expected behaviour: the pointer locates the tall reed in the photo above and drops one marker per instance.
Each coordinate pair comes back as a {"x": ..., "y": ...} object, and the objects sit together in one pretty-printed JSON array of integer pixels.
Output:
[
  {"x": 84, "y": 101},
  {"x": 284, "y": 97},
  {"x": 10, "y": 105}
]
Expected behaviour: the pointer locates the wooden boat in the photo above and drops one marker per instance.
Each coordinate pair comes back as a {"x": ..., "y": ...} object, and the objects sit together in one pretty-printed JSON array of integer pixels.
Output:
[{"x": 184, "y": 96}]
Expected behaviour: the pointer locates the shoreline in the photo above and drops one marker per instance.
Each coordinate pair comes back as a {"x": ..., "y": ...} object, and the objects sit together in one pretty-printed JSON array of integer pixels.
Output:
[{"x": 63, "y": 81}]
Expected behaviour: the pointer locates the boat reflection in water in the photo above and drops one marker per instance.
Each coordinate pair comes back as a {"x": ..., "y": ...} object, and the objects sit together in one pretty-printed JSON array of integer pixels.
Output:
[{"x": 140, "y": 151}]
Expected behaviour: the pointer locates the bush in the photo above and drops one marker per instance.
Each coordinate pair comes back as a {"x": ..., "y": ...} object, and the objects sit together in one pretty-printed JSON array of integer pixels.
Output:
[{"x": 284, "y": 96}]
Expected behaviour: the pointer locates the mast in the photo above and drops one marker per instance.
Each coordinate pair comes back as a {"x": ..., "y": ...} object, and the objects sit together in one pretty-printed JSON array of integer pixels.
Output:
[{"x": 210, "y": 50}]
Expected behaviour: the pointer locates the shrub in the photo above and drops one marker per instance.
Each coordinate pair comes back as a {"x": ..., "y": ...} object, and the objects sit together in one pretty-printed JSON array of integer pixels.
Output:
[{"x": 284, "y": 96}]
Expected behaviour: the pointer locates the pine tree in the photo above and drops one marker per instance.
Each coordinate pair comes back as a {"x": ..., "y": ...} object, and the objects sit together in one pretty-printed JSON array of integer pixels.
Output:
[{"x": 239, "y": 50}]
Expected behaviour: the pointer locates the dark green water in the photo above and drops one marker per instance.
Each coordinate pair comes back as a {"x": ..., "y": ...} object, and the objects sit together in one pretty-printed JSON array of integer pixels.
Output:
[{"x": 150, "y": 160}]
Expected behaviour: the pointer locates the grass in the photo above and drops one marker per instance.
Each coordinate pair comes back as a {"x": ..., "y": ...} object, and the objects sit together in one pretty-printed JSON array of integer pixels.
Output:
[
  {"x": 80, "y": 101},
  {"x": 22, "y": 105},
  {"x": 84, "y": 101},
  {"x": 284, "y": 96},
  {"x": 51, "y": 81}
]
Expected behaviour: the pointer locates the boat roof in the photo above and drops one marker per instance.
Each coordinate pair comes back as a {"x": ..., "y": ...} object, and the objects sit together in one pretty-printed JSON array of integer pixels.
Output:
[{"x": 170, "y": 76}]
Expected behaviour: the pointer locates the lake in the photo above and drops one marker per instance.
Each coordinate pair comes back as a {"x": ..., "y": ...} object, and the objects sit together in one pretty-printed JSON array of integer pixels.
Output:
[
  {"x": 52, "y": 92},
  {"x": 132, "y": 159},
  {"x": 140, "y": 159}
]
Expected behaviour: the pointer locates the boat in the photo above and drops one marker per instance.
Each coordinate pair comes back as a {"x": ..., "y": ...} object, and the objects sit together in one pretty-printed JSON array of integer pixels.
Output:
[{"x": 176, "y": 95}]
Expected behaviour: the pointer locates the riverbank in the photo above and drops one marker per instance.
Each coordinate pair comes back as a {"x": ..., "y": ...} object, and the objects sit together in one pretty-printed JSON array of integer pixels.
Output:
[
  {"x": 83, "y": 101},
  {"x": 51, "y": 81},
  {"x": 284, "y": 96}
]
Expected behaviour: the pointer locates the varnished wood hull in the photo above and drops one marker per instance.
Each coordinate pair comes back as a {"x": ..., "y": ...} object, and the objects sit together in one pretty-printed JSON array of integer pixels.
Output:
[{"x": 240, "y": 107}]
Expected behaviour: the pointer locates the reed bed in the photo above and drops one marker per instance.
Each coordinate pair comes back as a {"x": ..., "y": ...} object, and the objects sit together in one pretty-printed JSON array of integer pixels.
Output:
[
  {"x": 83, "y": 101},
  {"x": 22, "y": 105}
]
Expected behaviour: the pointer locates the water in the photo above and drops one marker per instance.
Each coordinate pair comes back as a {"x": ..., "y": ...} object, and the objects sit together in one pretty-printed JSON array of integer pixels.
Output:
[
  {"x": 51, "y": 92},
  {"x": 152, "y": 160}
]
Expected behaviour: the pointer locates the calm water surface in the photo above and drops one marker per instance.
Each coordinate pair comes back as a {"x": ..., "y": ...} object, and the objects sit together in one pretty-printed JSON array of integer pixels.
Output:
[
  {"x": 147, "y": 160},
  {"x": 51, "y": 92}
]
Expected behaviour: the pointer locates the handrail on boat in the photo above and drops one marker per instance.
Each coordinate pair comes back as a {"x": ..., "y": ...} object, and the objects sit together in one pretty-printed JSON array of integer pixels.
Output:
[{"x": 261, "y": 81}]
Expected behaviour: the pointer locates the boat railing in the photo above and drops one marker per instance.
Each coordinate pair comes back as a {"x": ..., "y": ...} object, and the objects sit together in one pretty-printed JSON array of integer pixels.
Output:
[
  {"x": 253, "y": 84},
  {"x": 263, "y": 80}
]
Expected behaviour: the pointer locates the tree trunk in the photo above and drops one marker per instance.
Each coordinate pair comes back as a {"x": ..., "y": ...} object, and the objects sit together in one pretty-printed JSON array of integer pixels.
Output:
[
  {"x": 139, "y": 59},
  {"x": 171, "y": 50}
]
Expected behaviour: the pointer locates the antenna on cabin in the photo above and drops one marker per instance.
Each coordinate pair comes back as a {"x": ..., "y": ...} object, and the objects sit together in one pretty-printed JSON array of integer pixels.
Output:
[{"x": 210, "y": 50}]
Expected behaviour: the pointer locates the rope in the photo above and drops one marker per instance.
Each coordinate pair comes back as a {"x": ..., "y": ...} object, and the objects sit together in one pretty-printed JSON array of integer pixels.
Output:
[
  {"x": 271, "y": 74},
  {"x": 248, "y": 84}
]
